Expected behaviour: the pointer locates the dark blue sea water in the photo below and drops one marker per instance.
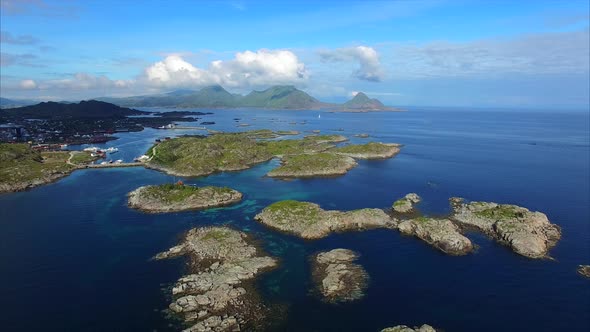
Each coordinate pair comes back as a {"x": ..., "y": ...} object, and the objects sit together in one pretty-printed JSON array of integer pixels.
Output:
[{"x": 73, "y": 257}]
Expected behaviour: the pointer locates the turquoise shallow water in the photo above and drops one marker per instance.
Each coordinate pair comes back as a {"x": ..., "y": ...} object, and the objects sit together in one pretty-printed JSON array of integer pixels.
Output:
[{"x": 73, "y": 257}]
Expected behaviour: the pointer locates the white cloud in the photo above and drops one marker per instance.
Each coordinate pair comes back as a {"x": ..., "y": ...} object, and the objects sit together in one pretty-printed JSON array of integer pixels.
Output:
[
  {"x": 28, "y": 84},
  {"x": 8, "y": 38},
  {"x": 370, "y": 68},
  {"x": 246, "y": 69},
  {"x": 551, "y": 53},
  {"x": 84, "y": 81}
]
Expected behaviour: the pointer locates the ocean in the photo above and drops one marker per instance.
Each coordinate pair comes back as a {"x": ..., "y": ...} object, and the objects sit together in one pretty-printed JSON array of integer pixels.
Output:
[{"x": 74, "y": 257}]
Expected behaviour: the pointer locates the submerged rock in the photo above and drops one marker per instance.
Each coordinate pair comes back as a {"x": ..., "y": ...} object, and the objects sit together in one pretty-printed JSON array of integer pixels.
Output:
[
  {"x": 440, "y": 233},
  {"x": 339, "y": 279},
  {"x": 179, "y": 197},
  {"x": 404, "y": 328},
  {"x": 584, "y": 270},
  {"x": 527, "y": 233},
  {"x": 406, "y": 204},
  {"x": 218, "y": 295},
  {"x": 310, "y": 221}
]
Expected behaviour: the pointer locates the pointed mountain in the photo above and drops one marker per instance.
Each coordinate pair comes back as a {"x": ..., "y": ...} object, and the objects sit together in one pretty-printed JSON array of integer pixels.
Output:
[
  {"x": 280, "y": 96},
  {"x": 362, "y": 101},
  {"x": 211, "y": 96}
]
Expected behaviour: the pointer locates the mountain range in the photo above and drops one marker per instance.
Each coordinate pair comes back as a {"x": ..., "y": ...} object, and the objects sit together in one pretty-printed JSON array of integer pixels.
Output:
[
  {"x": 91, "y": 109},
  {"x": 275, "y": 97}
]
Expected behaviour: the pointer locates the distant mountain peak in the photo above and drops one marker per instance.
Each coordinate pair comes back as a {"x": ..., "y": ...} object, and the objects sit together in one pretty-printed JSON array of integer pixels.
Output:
[{"x": 362, "y": 101}]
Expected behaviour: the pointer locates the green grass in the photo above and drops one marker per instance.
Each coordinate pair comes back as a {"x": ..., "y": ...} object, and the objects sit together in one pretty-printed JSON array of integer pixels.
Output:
[
  {"x": 82, "y": 158},
  {"x": 400, "y": 202},
  {"x": 499, "y": 212},
  {"x": 295, "y": 211},
  {"x": 373, "y": 148},
  {"x": 216, "y": 234},
  {"x": 178, "y": 193},
  {"x": 311, "y": 163},
  {"x": 20, "y": 164}
]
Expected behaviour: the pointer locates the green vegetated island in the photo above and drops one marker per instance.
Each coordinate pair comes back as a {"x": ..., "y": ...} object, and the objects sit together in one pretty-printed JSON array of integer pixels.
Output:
[
  {"x": 181, "y": 197},
  {"x": 275, "y": 97},
  {"x": 527, "y": 233},
  {"x": 307, "y": 157},
  {"x": 22, "y": 168}
]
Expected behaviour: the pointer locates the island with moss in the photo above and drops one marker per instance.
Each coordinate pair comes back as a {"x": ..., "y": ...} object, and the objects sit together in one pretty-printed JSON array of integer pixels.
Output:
[
  {"x": 310, "y": 221},
  {"x": 439, "y": 233},
  {"x": 218, "y": 293},
  {"x": 406, "y": 203},
  {"x": 338, "y": 278},
  {"x": 180, "y": 197},
  {"x": 526, "y": 232},
  {"x": 372, "y": 150},
  {"x": 313, "y": 165},
  {"x": 22, "y": 168}
]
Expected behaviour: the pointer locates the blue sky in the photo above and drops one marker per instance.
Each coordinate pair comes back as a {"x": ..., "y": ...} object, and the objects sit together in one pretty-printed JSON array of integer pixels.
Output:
[{"x": 529, "y": 54}]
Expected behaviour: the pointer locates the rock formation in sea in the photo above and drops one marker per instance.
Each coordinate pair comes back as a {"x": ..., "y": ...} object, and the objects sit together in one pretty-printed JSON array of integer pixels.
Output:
[
  {"x": 526, "y": 232},
  {"x": 584, "y": 270},
  {"x": 217, "y": 294},
  {"x": 180, "y": 197},
  {"x": 440, "y": 233},
  {"x": 339, "y": 279},
  {"x": 406, "y": 204},
  {"x": 404, "y": 328}
]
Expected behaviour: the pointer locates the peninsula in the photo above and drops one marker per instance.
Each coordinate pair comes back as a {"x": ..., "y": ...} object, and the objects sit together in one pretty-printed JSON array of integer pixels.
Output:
[{"x": 180, "y": 197}]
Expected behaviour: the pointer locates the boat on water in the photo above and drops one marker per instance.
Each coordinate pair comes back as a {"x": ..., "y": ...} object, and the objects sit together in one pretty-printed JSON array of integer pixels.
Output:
[
  {"x": 91, "y": 149},
  {"x": 319, "y": 116},
  {"x": 112, "y": 150}
]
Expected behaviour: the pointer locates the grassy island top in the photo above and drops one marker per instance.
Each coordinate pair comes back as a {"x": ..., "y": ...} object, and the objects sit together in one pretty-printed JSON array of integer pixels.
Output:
[
  {"x": 179, "y": 192},
  {"x": 21, "y": 166},
  {"x": 197, "y": 156}
]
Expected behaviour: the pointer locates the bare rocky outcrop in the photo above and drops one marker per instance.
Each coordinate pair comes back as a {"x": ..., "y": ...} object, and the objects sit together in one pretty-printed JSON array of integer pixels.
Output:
[
  {"x": 179, "y": 197},
  {"x": 338, "y": 278},
  {"x": 526, "y": 232},
  {"x": 218, "y": 295},
  {"x": 404, "y": 328},
  {"x": 406, "y": 203},
  {"x": 440, "y": 233},
  {"x": 584, "y": 270},
  {"x": 310, "y": 221}
]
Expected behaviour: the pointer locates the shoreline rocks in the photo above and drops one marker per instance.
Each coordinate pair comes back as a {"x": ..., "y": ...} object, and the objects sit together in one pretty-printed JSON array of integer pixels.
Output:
[
  {"x": 406, "y": 204},
  {"x": 310, "y": 221},
  {"x": 584, "y": 270},
  {"x": 404, "y": 328},
  {"x": 440, "y": 233},
  {"x": 179, "y": 197},
  {"x": 218, "y": 294},
  {"x": 338, "y": 278},
  {"x": 527, "y": 233}
]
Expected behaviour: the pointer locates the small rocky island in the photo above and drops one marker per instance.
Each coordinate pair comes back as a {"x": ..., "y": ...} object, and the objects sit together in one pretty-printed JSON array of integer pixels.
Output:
[
  {"x": 584, "y": 270},
  {"x": 527, "y": 233},
  {"x": 310, "y": 156},
  {"x": 338, "y": 278},
  {"x": 404, "y": 328},
  {"x": 372, "y": 150},
  {"x": 310, "y": 221},
  {"x": 218, "y": 293},
  {"x": 406, "y": 204},
  {"x": 180, "y": 197},
  {"x": 440, "y": 233},
  {"x": 313, "y": 165}
]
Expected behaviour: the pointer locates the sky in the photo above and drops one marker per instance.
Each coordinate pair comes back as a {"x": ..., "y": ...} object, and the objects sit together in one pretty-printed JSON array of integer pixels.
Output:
[{"x": 487, "y": 53}]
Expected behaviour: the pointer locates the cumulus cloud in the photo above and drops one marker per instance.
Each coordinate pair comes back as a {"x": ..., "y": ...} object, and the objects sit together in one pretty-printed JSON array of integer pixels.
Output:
[
  {"x": 370, "y": 68},
  {"x": 28, "y": 84},
  {"x": 246, "y": 69},
  {"x": 7, "y": 38}
]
